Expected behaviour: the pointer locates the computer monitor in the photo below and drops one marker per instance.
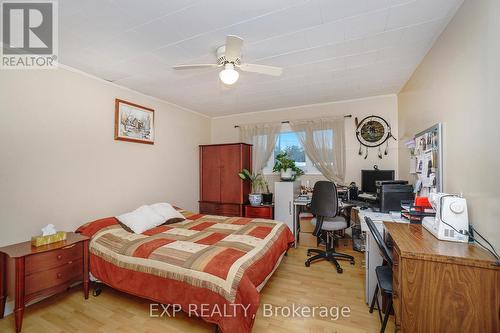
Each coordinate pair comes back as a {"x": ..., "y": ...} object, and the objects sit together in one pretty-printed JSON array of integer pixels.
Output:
[{"x": 369, "y": 177}]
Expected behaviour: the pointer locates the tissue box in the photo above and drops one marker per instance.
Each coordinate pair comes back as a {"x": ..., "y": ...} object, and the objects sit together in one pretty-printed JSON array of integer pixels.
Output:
[{"x": 49, "y": 239}]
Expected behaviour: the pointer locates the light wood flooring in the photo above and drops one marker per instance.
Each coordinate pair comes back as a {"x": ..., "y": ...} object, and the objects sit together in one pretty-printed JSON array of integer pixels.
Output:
[{"x": 318, "y": 285}]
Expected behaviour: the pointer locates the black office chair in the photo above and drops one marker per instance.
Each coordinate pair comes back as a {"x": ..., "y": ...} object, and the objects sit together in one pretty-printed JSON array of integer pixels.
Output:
[
  {"x": 384, "y": 275},
  {"x": 324, "y": 205}
]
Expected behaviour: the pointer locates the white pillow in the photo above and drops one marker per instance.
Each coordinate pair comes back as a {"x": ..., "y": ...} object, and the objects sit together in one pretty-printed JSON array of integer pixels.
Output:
[
  {"x": 141, "y": 219},
  {"x": 167, "y": 211}
]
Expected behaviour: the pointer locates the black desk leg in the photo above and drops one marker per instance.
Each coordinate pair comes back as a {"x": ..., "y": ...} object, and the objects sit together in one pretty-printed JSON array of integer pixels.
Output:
[{"x": 3, "y": 283}]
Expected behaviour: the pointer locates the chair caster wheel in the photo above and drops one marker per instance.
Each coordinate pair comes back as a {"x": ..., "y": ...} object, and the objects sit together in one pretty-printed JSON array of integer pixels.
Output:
[
  {"x": 307, "y": 263},
  {"x": 352, "y": 262},
  {"x": 340, "y": 270}
]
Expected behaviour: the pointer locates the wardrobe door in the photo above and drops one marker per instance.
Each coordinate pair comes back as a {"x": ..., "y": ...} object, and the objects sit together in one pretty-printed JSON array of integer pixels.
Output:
[
  {"x": 210, "y": 174},
  {"x": 231, "y": 184},
  {"x": 246, "y": 160}
]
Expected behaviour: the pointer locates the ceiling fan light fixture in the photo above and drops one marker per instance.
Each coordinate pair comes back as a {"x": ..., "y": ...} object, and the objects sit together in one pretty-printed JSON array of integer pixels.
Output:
[
  {"x": 229, "y": 75},
  {"x": 229, "y": 56}
]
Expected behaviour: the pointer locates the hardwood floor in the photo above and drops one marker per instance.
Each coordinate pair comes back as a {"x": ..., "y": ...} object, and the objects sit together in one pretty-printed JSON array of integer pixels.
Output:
[{"x": 318, "y": 285}]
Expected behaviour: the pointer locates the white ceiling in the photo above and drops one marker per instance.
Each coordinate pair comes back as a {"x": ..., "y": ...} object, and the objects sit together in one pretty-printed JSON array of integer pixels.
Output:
[{"x": 330, "y": 49}]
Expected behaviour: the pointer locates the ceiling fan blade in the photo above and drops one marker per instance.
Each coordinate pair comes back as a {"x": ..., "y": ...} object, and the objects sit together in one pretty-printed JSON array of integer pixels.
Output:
[
  {"x": 233, "y": 48},
  {"x": 261, "y": 69},
  {"x": 194, "y": 66}
]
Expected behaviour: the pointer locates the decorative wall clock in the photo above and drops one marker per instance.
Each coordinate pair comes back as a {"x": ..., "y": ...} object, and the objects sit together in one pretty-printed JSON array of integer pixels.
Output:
[{"x": 372, "y": 132}]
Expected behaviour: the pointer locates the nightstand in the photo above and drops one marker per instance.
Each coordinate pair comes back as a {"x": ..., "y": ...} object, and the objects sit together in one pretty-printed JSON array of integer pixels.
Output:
[
  {"x": 262, "y": 211},
  {"x": 44, "y": 271}
]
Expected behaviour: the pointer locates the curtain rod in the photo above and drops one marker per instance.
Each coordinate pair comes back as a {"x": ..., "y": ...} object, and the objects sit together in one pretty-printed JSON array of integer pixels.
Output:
[{"x": 287, "y": 121}]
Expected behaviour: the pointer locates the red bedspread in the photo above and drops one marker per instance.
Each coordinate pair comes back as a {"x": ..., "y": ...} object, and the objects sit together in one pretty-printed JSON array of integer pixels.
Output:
[{"x": 212, "y": 266}]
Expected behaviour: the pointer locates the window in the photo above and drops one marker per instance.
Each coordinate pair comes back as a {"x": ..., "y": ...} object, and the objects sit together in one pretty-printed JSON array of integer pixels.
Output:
[{"x": 289, "y": 142}]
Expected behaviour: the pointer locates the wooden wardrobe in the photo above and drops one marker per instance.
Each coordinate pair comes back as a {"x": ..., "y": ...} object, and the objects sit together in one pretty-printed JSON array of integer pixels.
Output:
[{"x": 222, "y": 192}]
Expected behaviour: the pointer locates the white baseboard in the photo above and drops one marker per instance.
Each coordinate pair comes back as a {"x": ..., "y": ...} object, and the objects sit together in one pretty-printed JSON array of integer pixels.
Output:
[{"x": 9, "y": 308}]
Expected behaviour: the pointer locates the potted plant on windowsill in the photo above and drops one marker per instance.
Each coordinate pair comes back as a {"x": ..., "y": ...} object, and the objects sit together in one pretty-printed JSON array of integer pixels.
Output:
[
  {"x": 256, "y": 180},
  {"x": 286, "y": 167}
]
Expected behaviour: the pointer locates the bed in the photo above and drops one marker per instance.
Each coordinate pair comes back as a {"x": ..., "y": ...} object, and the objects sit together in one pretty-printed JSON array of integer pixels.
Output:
[{"x": 210, "y": 266}]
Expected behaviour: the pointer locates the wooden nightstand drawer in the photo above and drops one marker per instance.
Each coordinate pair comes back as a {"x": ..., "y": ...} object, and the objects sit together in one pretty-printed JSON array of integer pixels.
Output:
[
  {"x": 262, "y": 212},
  {"x": 48, "y": 260},
  {"x": 53, "y": 277}
]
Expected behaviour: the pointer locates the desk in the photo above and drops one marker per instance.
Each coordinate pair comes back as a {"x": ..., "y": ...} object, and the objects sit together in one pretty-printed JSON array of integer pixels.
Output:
[{"x": 442, "y": 286}]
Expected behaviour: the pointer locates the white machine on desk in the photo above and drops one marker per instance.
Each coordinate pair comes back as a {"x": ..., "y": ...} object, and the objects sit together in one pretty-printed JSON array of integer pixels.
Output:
[{"x": 451, "y": 222}]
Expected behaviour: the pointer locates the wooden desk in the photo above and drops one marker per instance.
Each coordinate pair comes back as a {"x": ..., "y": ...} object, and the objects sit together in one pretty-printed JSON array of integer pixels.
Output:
[
  {"x": 442, "y": 286},
  {"x": 44, "y": 271}
]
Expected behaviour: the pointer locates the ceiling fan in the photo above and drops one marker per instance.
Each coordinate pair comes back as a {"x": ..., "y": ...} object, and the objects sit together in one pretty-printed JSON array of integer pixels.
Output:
[{"x": 229, "y": 57}]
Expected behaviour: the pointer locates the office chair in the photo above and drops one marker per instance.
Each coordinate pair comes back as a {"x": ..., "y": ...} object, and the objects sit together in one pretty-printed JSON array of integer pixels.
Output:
[
  {"x": 324, "y": 206},
  {"x": 384, "y": 275}
]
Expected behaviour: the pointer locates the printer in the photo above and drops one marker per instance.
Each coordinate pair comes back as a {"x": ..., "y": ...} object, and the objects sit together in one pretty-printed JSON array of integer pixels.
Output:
[{"x": 390, "y": 193}]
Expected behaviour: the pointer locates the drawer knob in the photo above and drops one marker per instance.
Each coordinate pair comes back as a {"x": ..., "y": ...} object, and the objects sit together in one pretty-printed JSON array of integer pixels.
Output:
[
  {"x": 59, "y": 257},
  {"x": 59, "y": 275}
]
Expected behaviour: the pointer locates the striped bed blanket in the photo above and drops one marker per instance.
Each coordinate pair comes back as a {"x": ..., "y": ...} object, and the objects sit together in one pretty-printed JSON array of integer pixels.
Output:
[{"x": 204, "y": 263}]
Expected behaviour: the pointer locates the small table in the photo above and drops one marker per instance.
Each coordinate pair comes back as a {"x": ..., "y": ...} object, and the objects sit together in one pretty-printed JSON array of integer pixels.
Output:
[
  {"x": 262, "y": 211},
  {"x": 44, "y": 271}
]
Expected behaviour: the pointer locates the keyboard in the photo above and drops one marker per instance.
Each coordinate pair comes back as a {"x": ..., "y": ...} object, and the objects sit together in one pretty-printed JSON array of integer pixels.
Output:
[
  {"x": 360, "y": 203},
  {"x": 367, "y": 196}
]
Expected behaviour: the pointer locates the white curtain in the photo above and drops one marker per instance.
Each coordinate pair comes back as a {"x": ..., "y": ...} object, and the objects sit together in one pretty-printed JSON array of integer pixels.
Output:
[
  {"x": 324, "y": 144},
  {"x": 263, "y": 138}
]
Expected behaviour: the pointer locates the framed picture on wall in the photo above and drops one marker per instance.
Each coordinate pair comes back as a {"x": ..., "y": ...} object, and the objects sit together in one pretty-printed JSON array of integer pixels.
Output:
[{"x": 134, "y": 122}]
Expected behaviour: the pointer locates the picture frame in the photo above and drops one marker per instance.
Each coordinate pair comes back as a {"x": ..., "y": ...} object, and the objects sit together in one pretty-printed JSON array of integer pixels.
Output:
[{"x": 134, "y": 122}]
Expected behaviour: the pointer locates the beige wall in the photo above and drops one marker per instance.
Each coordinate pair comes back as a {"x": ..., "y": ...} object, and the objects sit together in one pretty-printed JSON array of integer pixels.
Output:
[
  {"x": 61, "y": 165},
  {"x": 223, "y": 130},
  {"x": 458, "y": 84}
]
